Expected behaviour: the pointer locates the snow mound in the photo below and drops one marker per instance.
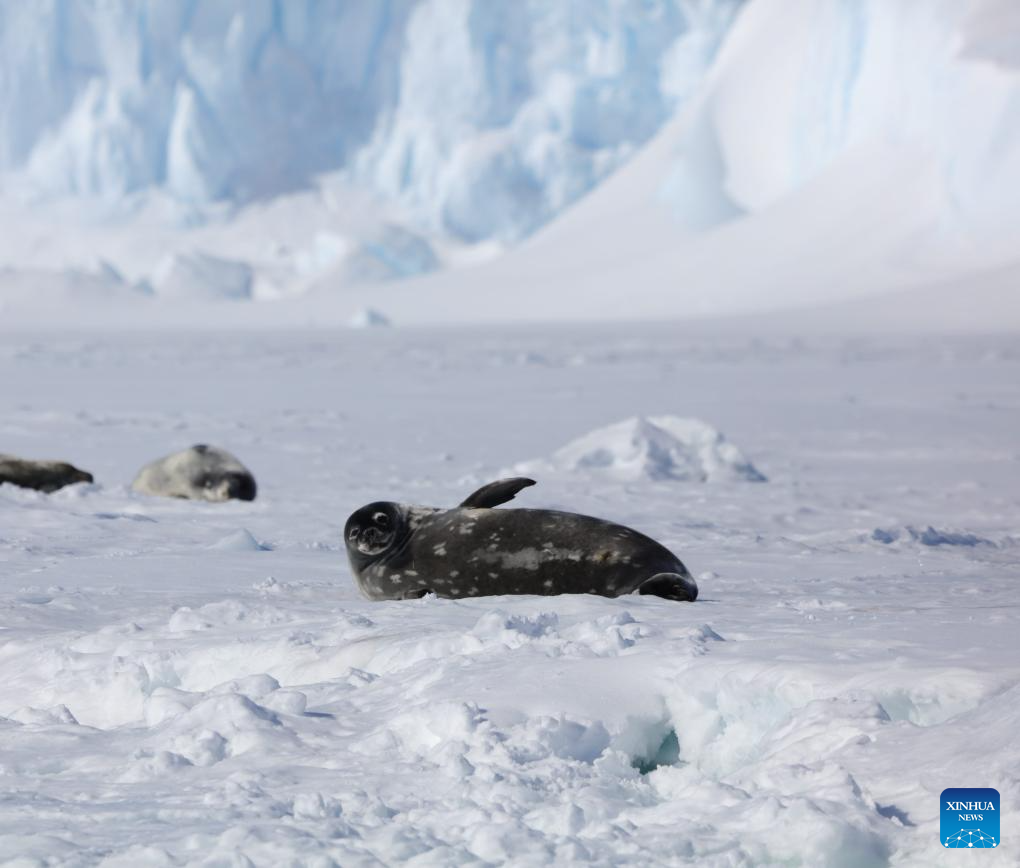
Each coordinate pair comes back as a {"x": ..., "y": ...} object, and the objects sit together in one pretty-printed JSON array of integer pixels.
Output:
[
  {"x": 652, "y": 448},
  {"x": 240, "y": 540},
  {"x": 201, "y": 276},
  {"x": 367, "y": 318}
]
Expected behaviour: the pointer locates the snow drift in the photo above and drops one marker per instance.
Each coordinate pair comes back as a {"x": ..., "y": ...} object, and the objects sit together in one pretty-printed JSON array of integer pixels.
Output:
[{"x": 655, "y": 448}]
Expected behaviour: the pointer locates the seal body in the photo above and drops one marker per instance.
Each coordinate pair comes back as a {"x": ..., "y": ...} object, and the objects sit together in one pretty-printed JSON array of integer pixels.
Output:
[
  {"x": 199, "y": 473},
  {"x": 398, "y": 551},
  {"x": 41, "y": 475}
]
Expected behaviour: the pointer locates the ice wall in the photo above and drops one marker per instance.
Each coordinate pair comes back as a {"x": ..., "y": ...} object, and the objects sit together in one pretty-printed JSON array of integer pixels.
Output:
[{"x": 484, "y": 117}]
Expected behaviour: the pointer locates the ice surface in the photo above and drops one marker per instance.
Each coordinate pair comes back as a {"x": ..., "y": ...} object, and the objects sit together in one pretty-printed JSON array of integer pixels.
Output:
[
  {"x": 165, "y": 699},
  {"x": 653, "y": 448},
  {"x": 673, "y": 159}
]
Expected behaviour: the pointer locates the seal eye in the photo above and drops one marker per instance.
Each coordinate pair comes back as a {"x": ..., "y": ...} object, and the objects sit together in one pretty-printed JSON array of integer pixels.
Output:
[
  {"x": 381, "y": 519},
  {"x": 354, "y": 533}
]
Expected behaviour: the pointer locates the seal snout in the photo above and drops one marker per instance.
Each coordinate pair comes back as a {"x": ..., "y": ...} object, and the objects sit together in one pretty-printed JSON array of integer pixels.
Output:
[
  {"x": 240, "y": 486},
  {"x": 671, "y": 586},
  {"x": 372, "y": 530}
]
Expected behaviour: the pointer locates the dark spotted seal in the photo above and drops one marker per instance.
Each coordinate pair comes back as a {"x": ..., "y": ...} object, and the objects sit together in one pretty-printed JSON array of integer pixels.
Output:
[
  {"x": 400, "y": 552},
  {"x": 41, "y": 475},
  {"x": 199, "y": 473}
]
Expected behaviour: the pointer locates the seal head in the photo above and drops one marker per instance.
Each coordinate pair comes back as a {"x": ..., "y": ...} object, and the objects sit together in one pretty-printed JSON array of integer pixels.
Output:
[{"x": 373, "y": 532}]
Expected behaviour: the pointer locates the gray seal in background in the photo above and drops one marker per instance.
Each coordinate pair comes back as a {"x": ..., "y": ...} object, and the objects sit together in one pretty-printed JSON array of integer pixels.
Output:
[
  {"x": 41, "y": 475},
  {"x": 400, "y": 552},
  {"x": 199, "y": 473}
]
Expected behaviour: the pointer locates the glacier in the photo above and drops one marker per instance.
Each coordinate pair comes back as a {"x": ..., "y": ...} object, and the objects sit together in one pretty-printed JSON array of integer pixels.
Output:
[
  {"x": 484, "y": 118},
  {"x": 710, "y": 156}
]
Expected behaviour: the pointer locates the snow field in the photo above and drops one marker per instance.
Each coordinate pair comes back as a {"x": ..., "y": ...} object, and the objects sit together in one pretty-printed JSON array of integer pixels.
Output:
[{"x": 200, "y": 683}]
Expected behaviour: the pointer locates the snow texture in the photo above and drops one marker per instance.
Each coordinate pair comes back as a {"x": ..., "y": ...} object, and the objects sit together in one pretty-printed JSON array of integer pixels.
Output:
[
  {"x": 174, "y": 692},
  {"x": 654, "y": 449}
]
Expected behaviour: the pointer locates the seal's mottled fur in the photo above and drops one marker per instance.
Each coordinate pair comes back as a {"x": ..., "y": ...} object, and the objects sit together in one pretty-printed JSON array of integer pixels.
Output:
[{"x": 398, "y": 552}]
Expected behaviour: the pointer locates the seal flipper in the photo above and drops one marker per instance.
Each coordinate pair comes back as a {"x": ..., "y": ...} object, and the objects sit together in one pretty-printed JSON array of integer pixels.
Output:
[
  {"x": 496, "y": 493},
  {"x": 670, "y": 586}
]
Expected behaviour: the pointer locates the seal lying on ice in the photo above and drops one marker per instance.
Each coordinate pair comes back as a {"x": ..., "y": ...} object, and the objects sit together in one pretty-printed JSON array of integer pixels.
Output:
[
  {"x": 399, "y": 552},
  {"x": 41, "y": 475},
  {"x": 199, "y": 473}
]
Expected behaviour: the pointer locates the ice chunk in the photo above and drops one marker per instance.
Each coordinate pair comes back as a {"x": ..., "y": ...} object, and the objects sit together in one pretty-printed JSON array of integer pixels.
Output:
[
  {"x": 201, "y": 276},
  {"x": 655, "y": 448},
  {"x": 368, "y": 318}
]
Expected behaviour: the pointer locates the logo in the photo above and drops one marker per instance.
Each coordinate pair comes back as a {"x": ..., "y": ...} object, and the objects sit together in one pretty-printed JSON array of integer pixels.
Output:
[{"x": 970, "y": 818}]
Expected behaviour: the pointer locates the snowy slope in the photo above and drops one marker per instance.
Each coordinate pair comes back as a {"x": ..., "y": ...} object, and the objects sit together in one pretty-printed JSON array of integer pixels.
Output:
[
  {"x": 855, "y": 152},
  {"x": 188, "y": 683},
  {"x": 764, "y": 158}
]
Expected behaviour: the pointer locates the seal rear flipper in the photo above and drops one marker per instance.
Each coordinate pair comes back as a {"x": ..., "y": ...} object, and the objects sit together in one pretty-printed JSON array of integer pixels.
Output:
[
  {"x": 670, "y": 586},
  {"x": 496, "y": 493}
]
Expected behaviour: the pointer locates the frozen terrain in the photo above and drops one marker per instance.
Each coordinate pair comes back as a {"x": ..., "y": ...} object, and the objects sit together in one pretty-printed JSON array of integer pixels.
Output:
[
  {"x": 201, "y": 684},
  {"x": 483, "y": 160}
]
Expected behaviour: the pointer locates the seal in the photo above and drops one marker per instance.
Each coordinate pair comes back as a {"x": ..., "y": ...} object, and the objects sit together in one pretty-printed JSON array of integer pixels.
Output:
[
  {"x": 41, "y": 475},
  {"x": 400, "y": 552},
  {"x": 199, "y": 473}
]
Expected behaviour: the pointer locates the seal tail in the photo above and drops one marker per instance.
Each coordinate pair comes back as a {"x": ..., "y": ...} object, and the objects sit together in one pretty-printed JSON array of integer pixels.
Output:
[{"x": 671, "y": 586}]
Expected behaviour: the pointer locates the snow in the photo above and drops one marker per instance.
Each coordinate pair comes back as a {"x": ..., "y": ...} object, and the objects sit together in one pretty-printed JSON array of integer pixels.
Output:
[
  {"x": 240, "y": 540},
  {"x": 655, "y": 448},
  {"x": 210, "y": 213},
  {"x": 171, "y": 694},
  {"x": 456, "y": 161}
]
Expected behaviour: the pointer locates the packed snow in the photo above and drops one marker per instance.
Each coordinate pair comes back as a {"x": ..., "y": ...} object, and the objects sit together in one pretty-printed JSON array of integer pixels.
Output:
[
  {"x": 656, "y": 448},
  {"x": 186, "y": 682}
]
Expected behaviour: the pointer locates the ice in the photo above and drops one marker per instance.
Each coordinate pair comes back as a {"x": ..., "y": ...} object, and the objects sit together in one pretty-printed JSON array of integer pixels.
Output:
[
  {"x": 494, "y": 162},
  {"x": 201, "y": 276},
  {"x": 482, "y": 119},
  {"x": 166, "y": 690},
  {"x": 367, "y": 318},
  {"x": 654, "y": 448}
]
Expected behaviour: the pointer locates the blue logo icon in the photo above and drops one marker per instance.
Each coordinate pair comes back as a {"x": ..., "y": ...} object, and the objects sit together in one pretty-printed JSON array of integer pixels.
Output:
[{"x": 970, "y": 818}]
